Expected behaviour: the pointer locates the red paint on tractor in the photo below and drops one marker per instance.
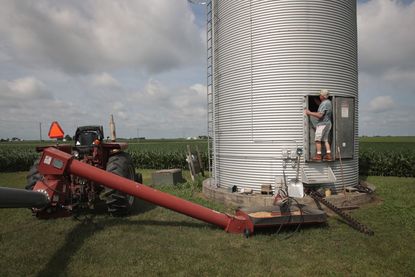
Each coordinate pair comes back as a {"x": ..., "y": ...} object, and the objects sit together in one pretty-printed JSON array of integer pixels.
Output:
[{"x": 56, "y": 162}]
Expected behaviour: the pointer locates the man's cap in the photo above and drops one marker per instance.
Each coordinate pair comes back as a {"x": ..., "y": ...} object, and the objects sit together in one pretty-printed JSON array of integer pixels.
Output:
[{"x": 325, "y": 93}]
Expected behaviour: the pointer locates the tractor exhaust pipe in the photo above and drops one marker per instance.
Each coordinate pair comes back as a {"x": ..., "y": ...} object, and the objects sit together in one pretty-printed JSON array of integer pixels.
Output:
[
  {"x": 20, "y": 198},
  {"x": 113, "y": 135}
]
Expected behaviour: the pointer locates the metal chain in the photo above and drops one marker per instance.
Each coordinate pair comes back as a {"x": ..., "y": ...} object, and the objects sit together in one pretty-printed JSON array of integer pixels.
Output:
[
  {"x": 364, "y": 189},
  {"x": 350, "y": 220}
]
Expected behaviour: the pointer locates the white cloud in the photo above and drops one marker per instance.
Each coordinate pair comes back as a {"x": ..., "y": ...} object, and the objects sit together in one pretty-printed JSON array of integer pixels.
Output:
[
  {"x": 396, "y": 75},
  {"x": 381, "y": 104},
  {"x": 91, "y": 36},
  {"x": 85, "y": 60},
  {"x": 118, "y": 106},
  {"x": 27, "y": 87},
  {"x": 120, "y": 110},
  {"x": 25, "y": 102},
  {"x": 393, "y": 122},
  {"x": 386, "y": 37},
  {"x": 159, "y": 109},
  {"x": 22, "y": 89},
  {"x": 192, "y": 100},
  {"x": 105, "y": 80},
  {"x": 386, "y": 67}
]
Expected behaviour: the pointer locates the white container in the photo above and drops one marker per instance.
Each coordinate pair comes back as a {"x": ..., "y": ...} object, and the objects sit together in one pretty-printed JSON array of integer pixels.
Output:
[{"x": 295, "y": 189}]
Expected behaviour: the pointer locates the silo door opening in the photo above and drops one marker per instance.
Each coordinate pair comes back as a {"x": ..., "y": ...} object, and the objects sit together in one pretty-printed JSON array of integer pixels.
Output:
[{"x": 342, "y": 134}]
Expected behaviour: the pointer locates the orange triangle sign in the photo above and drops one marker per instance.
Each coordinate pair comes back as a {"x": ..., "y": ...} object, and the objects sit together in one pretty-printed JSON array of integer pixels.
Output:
[{"x": 55, "y": 131}]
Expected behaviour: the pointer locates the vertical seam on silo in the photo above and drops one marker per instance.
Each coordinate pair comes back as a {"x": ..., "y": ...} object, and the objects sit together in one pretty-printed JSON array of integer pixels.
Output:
[
  {"x": 217, "y": 84},
  {"x": 252, "y": 108}
]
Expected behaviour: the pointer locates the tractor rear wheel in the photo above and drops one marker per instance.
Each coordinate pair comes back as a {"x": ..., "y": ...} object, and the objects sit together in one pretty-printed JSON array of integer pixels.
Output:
[
  {"x": 33, "y": 176},
  {"x": 119, "y": 203}
]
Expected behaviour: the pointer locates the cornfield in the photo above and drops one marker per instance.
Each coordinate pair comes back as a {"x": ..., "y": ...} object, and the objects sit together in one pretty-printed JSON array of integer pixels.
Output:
[
  {"x": 16, "y": 157},
  {"x": 376, "y": 159},
  {"x": 149, "y": 155},
  {"x": 387, "y": 159},
  {"x": 386, "y": 164}
]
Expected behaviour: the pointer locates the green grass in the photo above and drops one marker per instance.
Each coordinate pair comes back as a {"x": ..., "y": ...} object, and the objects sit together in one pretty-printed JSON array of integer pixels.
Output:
[
  {"x": 388, "y": 144},
  {"x": 402, "y": 139},
  {"x": 388, "y": 147},
  {"x": 157, "y": 242}
]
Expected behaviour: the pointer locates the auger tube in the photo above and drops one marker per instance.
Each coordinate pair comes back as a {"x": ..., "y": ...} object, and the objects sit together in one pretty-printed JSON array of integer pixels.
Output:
[
  {"x": 56, "y": 162},
  {"x": 20, "y": 198}
]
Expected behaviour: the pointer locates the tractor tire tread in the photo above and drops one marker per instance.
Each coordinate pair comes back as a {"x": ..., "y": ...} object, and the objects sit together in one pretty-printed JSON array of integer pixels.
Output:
[{"x": 118, "y": 202}]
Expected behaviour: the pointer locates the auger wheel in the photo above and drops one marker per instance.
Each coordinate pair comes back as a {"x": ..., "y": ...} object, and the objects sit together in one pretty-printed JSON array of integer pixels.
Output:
[{"x": 119, "y": 203}]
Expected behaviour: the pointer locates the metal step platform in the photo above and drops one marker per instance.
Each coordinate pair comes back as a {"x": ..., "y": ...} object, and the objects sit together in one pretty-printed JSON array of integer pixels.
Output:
[
  {"x": 270, "y": 216},
  {"x": 318, "y": 174}
]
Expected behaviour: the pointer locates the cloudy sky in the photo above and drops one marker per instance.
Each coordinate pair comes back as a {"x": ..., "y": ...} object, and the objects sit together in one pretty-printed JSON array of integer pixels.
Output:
[{"x": 144, "y": 61}]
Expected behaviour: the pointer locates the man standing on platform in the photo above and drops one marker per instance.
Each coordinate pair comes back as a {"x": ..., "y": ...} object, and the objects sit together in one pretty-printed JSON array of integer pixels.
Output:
[{"x": 323, "y": 127}]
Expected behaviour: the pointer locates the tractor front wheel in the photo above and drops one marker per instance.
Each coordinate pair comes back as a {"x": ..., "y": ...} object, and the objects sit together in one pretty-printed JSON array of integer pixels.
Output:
[{"x": 119, "y": 203}]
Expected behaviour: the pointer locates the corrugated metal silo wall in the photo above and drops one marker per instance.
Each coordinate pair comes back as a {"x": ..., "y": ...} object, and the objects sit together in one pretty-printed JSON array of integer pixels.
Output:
[{"x": 269, "y": 55}]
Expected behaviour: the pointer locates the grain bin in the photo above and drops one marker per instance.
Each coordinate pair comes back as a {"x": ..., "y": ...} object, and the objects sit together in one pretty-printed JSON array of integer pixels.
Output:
[{"x": 267, "y": 61}]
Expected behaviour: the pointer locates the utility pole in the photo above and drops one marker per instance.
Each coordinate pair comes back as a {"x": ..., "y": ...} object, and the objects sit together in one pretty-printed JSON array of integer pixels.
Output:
[
  {"x": 138, "y": 135},
  {"x": 40, "y": 131}
]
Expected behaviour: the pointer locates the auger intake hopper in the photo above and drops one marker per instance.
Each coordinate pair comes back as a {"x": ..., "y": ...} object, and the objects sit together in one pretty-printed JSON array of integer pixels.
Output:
[{"x": 266, "y": 217}]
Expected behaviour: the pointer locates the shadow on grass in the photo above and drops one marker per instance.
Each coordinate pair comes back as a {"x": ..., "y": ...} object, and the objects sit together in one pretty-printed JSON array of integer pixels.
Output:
[
  {"x": 286, "y": 231},
  {"x": 90, "y": 224},
  {"x": 73, "y": 242},
  {"x": 88, "y": 227},
  {"x": 141, "y": 206},
  {"x": 363, "y": 177}
]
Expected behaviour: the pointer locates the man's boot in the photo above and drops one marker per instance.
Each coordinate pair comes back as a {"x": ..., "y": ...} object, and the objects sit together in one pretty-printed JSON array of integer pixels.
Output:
[
  {"x": 317, "y": 158},
  {"x": 327, "y": 157}
]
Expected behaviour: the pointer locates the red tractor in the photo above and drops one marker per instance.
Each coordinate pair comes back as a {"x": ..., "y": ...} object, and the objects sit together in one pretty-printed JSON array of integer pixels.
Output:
[{"x": 75, "y": 193}]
